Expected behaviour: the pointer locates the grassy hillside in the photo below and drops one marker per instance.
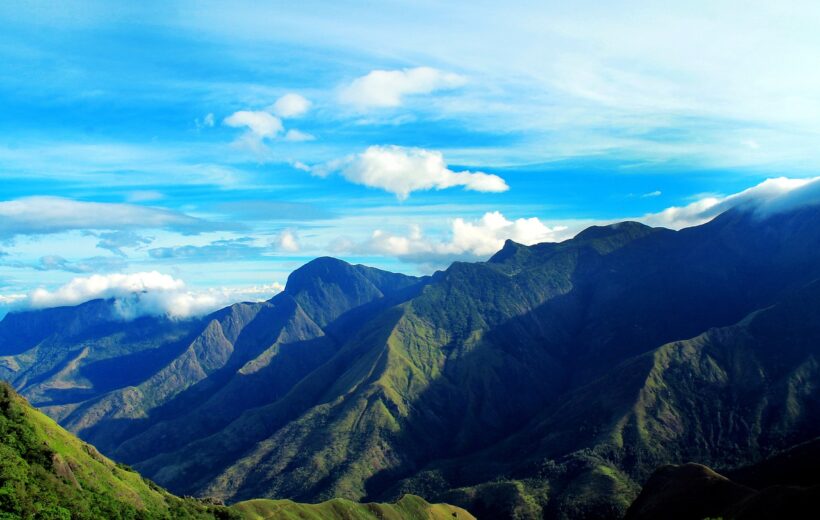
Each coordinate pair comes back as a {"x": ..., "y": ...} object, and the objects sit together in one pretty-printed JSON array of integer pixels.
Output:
[
  {"x": 408, "y": 507},
  {"x": 48, "y": 474}
]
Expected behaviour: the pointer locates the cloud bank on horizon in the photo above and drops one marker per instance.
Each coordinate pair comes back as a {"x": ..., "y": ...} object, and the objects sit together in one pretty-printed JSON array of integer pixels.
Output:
[
  {"x": 236, "y": 143},
  {"x": 154, "y": 293}
]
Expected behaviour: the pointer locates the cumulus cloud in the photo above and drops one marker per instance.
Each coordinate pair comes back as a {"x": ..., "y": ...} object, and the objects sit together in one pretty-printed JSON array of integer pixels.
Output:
[
  {"x": 387, "y": 88},
  {"x": 260, "y": 124},
  {"x": 770, "y": 196},
  {"x": 467, "y": 239},
  {"x": 287, "y": 241},
  {"x": 290, "y": 105},
  {"x": 144, "y": 293},
  {"x": 43, "y": 215},
  {"x": 401, "y": 170}
]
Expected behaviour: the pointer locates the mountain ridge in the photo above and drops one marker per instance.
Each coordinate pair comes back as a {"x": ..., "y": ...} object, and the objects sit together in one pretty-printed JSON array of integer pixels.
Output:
[{"x": 365, "y": 384}]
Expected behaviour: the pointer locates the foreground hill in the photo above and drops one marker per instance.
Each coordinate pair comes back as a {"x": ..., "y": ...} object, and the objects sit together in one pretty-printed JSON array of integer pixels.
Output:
[
  {"x": 47, "y": 473},
  {"x": 786, "y": 485},
  {"x": 549, "y": 381},
  {"x": 408, "y": 507}
]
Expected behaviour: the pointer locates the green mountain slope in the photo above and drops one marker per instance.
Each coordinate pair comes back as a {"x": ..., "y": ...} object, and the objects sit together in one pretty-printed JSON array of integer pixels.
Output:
[
  {"x": 409, "y": 507},
  {"x": 47, "y": 473}
]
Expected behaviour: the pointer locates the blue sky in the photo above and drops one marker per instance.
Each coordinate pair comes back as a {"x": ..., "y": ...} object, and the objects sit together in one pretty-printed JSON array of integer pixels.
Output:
[{"x": 224, "y": 144}]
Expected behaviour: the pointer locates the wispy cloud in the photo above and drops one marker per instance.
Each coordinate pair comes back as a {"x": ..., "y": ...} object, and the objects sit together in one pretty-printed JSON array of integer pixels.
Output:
[
  {"x": 96, "y": 264},
  {"x": 44, "y": 215},
  {"x": 116, "y": 241},
  {"x": 217, "y": 251}
]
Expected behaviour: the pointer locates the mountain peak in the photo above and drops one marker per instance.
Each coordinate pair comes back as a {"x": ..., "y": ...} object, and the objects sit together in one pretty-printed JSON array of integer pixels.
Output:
[
  {"x": 328, "y": 287},
  {"x": 326, "y": 268},
  {"x": 627, "y": 228},
  {"x": 509, "y": 250}
]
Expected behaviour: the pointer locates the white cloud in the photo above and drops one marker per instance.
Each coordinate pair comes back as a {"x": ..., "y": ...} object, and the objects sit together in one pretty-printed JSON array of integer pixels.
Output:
[
  {"x": 470, "y": 240},
  {"x": 290, "y": 105},
  {"x": 467, "y": 239},
  {"x": 264, "y": 125},
  {"x": 401, "y": 170},
  {"x": 145, "y": 293},
  {"x": 260, "y": 124},
  {"x": 288, "y": 241},
  {"x": 298, "y": 136},
  {"x": 656, "y": 193},
  {"x": 40, "y": 215},
  {"x": 83, "y": 289},
  {"x": 387, "y": 88}
]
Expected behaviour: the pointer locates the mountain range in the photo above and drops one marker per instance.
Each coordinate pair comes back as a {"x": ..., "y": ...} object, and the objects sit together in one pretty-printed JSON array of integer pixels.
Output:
[{"x": 550, "y": 381}]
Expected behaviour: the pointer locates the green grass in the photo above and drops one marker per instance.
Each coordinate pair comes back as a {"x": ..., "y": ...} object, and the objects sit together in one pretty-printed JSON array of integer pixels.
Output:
[
  {"x": 409, "y": 507},
  {"x": 47, "y": 473}
]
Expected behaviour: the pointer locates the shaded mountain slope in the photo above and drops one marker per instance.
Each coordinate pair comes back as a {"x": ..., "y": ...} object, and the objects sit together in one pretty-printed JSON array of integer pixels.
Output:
[{"x": 727, "y": 397}]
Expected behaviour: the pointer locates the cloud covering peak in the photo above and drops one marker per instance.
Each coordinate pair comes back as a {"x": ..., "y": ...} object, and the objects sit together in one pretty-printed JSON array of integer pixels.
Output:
[
  {"x": 140, "y": 294},
  {"x": 774, "y": 195}
]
